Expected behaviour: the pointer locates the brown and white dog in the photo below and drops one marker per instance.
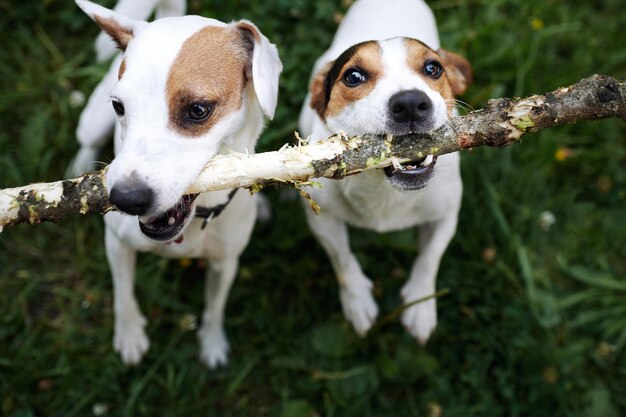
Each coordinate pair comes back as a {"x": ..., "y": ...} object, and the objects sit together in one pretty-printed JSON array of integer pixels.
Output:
[
  {"x": 385, "y": 73},
  {"x": 188, "y": 88}
]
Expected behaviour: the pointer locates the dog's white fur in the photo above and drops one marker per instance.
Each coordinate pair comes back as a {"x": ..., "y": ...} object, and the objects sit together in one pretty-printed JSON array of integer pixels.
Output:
[
  {"x": 368, "y": 200},
  {"x": 156, "y": 154}
]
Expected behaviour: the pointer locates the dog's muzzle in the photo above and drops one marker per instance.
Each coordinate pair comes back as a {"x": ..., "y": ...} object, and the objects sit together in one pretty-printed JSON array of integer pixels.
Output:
[
  {"x": 132, "y": 197},
  {"x": 412, "y": 176},
  {"x": 410, "y": 111},
  {"x": 167, "y": 225}
]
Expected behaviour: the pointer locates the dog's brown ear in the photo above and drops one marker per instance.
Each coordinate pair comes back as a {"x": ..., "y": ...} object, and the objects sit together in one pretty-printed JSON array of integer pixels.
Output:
[
  {"x": 121, "y": 28},
  {"x": 319, "y": 90},
  {"x": 458, "y": 71},
  {"x": 120, "y": 34}
]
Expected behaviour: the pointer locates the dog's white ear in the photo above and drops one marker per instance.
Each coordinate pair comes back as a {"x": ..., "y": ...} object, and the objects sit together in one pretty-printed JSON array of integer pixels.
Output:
[
  {"x": 121, "y": 28},
  {"x": 266, "y": 67}
]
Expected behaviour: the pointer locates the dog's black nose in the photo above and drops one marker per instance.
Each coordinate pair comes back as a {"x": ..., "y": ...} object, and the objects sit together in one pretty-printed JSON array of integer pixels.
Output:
[
  {"x": 410, "y": 106},
  {"x": 132, "y": 198}
]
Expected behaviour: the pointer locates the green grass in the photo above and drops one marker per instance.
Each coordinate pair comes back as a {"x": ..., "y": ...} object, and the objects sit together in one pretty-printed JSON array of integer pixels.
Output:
[{"x": 535, "y": 321}]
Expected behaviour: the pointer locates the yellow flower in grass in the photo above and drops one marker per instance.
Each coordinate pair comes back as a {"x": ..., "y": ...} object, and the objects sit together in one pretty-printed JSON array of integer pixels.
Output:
[
  {"x": 536, "y": 23},
  {"x": 563, "y": 153},
  {"x": 550, "y": 375},
  {"x": 604, "y": 184},
  {"x": 434, "y": 409}
]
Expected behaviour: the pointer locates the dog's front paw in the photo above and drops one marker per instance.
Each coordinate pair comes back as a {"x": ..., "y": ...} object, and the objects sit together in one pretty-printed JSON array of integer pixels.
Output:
[
  {"x": 359, "y": 306},
  {"x": 213, "y": 346},
  {"x": 130, "y": 340},
  {"x": 420, "y": 319}
]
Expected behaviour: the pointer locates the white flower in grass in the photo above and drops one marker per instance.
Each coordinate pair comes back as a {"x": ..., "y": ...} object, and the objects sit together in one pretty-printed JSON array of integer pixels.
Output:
[
  {"x": 188, "y": 322},
  {"x": 77, "y": 99},
  {"x": 546, "y": 220},
  {"x": 99, "y": 409}
]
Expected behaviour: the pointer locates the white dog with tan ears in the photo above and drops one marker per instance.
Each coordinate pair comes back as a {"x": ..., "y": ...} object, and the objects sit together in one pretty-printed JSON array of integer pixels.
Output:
[
  {"x": 385, "y": 73},
  {"x": 188, "y": 88}
]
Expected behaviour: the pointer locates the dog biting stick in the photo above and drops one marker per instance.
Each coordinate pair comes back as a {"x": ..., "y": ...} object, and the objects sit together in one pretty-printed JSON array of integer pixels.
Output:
[{"x": 502, "y": 122}]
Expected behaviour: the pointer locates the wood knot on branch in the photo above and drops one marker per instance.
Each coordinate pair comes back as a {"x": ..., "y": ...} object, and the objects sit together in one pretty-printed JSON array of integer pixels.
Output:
[
  {"x": 609, "y": 92},
  {"x": 609, "y": 95}
]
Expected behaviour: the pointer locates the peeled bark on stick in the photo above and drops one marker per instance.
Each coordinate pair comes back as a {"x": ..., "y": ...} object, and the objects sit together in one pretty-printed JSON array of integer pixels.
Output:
[{"x": 502, "y": 122}]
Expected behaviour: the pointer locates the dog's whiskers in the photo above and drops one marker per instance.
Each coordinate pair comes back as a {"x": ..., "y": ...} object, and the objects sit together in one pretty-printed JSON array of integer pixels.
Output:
[
  {"x": 460, "y": 104},
  {"x": 101, "y": 164},
  {"x": 452, "y": 115}
]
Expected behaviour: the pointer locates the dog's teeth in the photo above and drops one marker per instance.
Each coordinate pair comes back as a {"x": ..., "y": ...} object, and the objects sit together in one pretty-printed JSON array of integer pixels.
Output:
[
  {"x": 427, "y": 160},
  {"x": 396, "y": 164},
  {"x": 171, "y": 221}
]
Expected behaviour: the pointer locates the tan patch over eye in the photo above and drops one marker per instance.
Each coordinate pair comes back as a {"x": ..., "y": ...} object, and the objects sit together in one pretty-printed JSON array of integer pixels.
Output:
[
  {"x": 208, "y": 71},
  {"x": 368, "y": 61}
]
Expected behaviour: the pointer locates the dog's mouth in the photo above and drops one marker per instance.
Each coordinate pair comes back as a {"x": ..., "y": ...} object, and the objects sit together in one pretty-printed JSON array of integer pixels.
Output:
[
  {"x": 167, "y": 225},
  {"x": 413, "y": 175}
]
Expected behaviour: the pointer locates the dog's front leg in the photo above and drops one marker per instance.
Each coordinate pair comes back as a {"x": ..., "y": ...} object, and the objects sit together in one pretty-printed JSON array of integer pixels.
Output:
[
  {"x": 421, "y": 319},
  {"x": 220, "y": 275},
  {"x": 355, "y": 289},
  {"x": 130, "y": 338}
]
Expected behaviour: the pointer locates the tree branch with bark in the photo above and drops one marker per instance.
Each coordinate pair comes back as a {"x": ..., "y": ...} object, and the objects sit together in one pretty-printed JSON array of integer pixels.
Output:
[{"x": 499, "y": 124}]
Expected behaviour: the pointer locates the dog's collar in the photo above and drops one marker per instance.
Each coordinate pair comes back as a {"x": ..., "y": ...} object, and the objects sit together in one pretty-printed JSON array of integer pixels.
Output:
[{"x": 209, "y": 213}]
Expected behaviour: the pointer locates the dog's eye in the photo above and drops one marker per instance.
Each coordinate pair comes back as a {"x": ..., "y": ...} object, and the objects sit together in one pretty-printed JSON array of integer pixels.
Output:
[
  {"x": 353, "y": 77},
  {"x": 118, "y": 107},
  {"x": 198, "y": 112},
  {"x": 433, "y": 69}
]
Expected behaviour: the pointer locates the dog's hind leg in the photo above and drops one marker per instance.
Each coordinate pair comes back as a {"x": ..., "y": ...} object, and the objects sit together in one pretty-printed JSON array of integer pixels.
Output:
[
  {"x": 130, "y": 338},
  {"x": 355, "y": 289},
  {"x": 220, "y": 275},
  {"x": 421, "y": 319}
]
